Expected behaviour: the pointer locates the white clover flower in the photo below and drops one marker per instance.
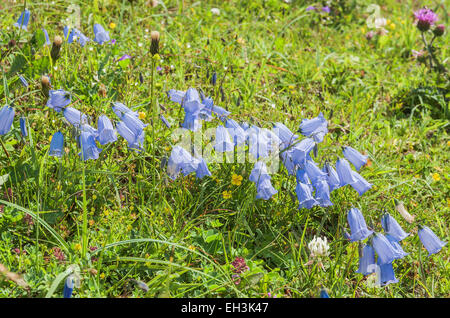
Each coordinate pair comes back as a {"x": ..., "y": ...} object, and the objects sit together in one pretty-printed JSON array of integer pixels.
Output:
[
  {"x": 215, "y": 11},
  {"x": 318, "y": 247}
]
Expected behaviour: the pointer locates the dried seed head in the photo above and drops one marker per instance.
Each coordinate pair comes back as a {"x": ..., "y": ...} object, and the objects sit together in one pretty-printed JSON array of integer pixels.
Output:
[
  {"x": 102, "y": 90},
  {"x": 154, "y": 48},
  {"x": 45, "y": 83},
  {"x": 56, "y": 47}
]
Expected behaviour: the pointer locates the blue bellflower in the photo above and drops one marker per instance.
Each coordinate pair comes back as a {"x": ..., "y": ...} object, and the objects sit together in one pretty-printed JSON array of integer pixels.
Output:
[
  {"x": 323, "y": 193},
  {"x": 361, "y": 185},
  {"x": 286, "y": 136},
  {"x": 301, "y": 150},
  {"x": 391, "y": 227},
  {"x": 120, "y": 109},
  {"x": 77, "y": 36},
  {"x": 164, "y": 120},
  {"x": 223, "y": 141},
  {"x": 68, "y": 287},
  {"x": 74, "y": 116},
  {"x": 181, "y": 161},
  {"x": 259, "y": 146},
  {"x": 344, "y": 172},
  {"x": 313, "y": 172},
  {"x": 89, "y": 149},
  {"x": 101, "y": 36},
  {"x": 304, "y": 196},
  {"x": 134, "y": 138},
  {"x": 265, "y": 189},
  {"x": 355, "y": 157},
  {"x": 6, "y": 119},
  {"x": 47, "y": 39},
  {"x": 202, "y": 169},
  {"x": 399, "y": 252},
  {"x": 358, "y": 226},
  {"x": 259, "y": 173},
  {"x": 302, "y": 177},
  {"x": 288, "y": 161},
  {"x": 23, "y": 126},
  {"x": 431, "y": 242},
  {"x": 366, "y": 260},
  {"x": 385, "y": 250},
  {"x": 315, "y": 128},
  {"x": 58, "y": 99},
  {"x": 387, "y": 275},
  {"x": 324, "y": 294},
  {"x": 332, "y": 177},
  {"x": 23, "y": 81},
  {"x": 237, "y": 133},
  {"x": 106, "y": 132},
  {"x": 23, "y": 20},
  {"x": 56, "y": 145}
]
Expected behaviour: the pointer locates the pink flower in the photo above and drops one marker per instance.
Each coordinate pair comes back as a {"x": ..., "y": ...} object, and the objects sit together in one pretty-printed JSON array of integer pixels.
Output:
[{"x": 425, "y": 18}]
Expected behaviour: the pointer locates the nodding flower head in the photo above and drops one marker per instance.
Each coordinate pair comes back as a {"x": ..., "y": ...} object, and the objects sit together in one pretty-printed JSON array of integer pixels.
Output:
[
  {"x": 344, "y": 172},
  {"x": 106, "y": 132},
  {"x": 305, "y": 197},
  {"x": 391, "y": 227},
  {"x": 101, "y": 35},
  {"x": 315, "y": 128},
  {"x": 23, "y": 126},
  {"x": 89, "y": 148},
  {"x": 265, "y": 190},
  {"x": 366, "y": 260},
  {"x": 6, "y": 119},
  {"x": 439, "y": 30},
  {"x": 56, "y": 145},
  {"x": 58, "y": 99},
  {"x": 425, "y": 19},
  {"x": 385, "y": 251},
  {"x": 358, "y": 226},
  {"x": 24, "y": 18},
  {"x": 387, "y": 275},
  {"x": 355, "y": 157},
  {"x": 431, "y": 242}
]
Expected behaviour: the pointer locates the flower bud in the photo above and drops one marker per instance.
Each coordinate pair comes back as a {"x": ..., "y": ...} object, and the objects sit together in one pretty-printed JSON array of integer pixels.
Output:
[
  {"x": 399, "y": 206},
  {"x": 102, "y": 90},
  {"x": 369, "y": 35},
  {"x": 439, "y": 30},
  {"x": 154, "y": 48},
  {"x": 45, "y": 83},
  {"x": 56, "y": 47}
]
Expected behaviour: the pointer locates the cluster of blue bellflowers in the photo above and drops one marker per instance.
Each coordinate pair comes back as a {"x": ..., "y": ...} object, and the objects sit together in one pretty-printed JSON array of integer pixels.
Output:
[{"x": 382, "y": 249}]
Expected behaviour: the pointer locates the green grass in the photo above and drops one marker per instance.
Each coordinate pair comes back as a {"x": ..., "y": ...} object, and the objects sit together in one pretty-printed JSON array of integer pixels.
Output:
[{"x": 180, "y": 237}]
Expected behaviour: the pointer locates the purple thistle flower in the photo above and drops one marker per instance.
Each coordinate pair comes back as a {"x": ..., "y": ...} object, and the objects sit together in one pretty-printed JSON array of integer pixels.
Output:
[{"x": 425, "y": 19}]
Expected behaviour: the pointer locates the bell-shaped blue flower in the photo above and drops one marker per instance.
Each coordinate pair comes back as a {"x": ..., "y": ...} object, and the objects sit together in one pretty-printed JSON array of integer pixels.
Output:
[
  {"x": 358, "y": 226},
  {"x": 367, "y": 260},
  {"x": 56, "y": 145},
  {"x": 361, "y": 185},
  {"x": 135, "y": 139},
  {"x": 237, "y": 133},
  {"x": 23, "y": 126},
  {"x": 305, "y": 196},
  {"x": 223, "y": 141},
  {"x": 259, "y": 143},
  {"x": 313, "y": 172},
  {"x": 58, "y": 99},
  {"x": 355, "y": 157},
  {"x": 301, "y": 150},
  {"x": 302, "y": 177},
  {"x": 286, "y": 136},
  {"x": 74, "y": 116},
  {"x": 385, "y": 250},
  {"x": 176, "y": 95},
  {"x": 265, "y": 189},
  {"x": 77, "y": 36},
  {"x": 164, "y": 120},
  {"x": 324, "y": 294},
  {"x": 106, "y": 131},
  {"x": 6, "y": 119},
  {"x": 259, "y": 172},
  {"x": 181, "y": 161},
  {"x": 332, "y": 177},
  {"x": 391, "y": 227},
  {"x": 431, "y": 242},
  {"x": 101, "y": 35},
  {"x": 344, "y": 172},
  {"x": 288, "y": 161},
  {"x": 120, "y": 109},
  {"x": 399, "y": 252},
  {"x": 323, "y": 193},
  {"x": 315, "y": 128},
  {"x": 68, "y": 287},
  {"x": 387, "y": 275},
  {"x": 89, "y": 149},
  {"x": 23, "y": 20},
  {"x": 202, "y": 169}
]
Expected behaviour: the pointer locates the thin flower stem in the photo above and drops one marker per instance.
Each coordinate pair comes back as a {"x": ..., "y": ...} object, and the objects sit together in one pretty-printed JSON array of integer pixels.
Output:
[{"x": 153, "y": 109}]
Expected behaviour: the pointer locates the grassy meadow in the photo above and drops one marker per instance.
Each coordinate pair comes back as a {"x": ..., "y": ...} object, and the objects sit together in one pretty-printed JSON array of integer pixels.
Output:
[{"x": 128, "y": 230}]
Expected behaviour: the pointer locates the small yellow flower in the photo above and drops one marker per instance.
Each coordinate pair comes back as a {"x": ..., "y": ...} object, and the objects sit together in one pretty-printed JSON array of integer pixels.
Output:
[
  {"x": 392, "y": 26},
  {"x": 448, "y": 143},
  {"x": 226, "y": 194},
  {"x": 417, "y": 176},
  {"x": 50, "y": 139},
  {"x": 236, "y": 179},
  {"x": 436, "y": 177},
  {"x": 363, "y": 30},
  {"x": 94, "y": 197},
  {"x": 241, "y": 41},
  {"x": 102, "y": 275},
  {"x": 112, "y": 25},
  {"x": 77, "y": 247},
  {"x": 142, "y": 115},
  {"x": 91, "y": 222}
]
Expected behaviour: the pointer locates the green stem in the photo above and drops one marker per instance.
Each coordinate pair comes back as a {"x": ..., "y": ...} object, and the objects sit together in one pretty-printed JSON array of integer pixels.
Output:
[{"x": 84, "y": 231}]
